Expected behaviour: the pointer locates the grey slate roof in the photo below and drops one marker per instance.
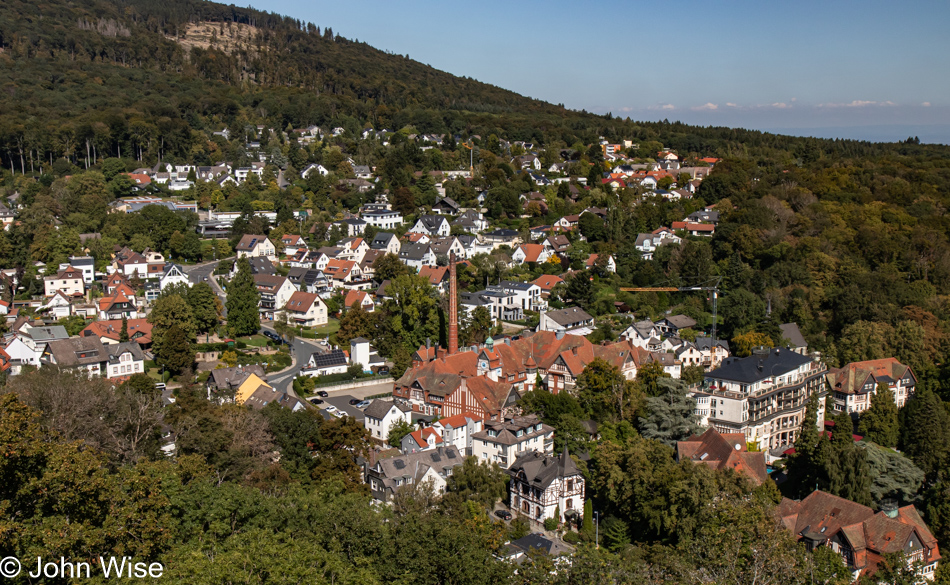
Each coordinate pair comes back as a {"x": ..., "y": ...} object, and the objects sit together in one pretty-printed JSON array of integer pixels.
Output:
[
  {"x": 759, "y": 367},
  {"x": 77, "y": 351},
  {"x": 381, "y": 240},
  {"x": 793, "y": 334},
  {"x": 569, "y": 316},
  {"x": 413, "y": 251},
  {"x": 541, "y": 470},
  {"x": 47, "y": 333},
  {"x": 506, "y": 431},
  {"x": 379, "y": 408},
  {"x": 115, "y": 350},
  {"x": 234, "y": 377}
]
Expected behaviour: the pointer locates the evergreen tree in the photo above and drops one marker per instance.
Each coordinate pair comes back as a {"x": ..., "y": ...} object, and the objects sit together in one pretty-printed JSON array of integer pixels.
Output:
[
  {"x": 672, "y": 415},
  {"x": 205, "y": 306},
  {"x": 880, "y": 422},
  {"x": 124, "y": 333},
  {"x": 803, "y": 467},
  {"x": 925, "y": 432},
  {"x": 587, "y": 528},
  {"x": 177, "y": 353},
  {"x": 243, "y": 300}
]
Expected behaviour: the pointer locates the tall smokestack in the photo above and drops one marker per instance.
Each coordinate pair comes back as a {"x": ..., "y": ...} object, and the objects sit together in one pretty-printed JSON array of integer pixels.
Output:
[{"x": 453, "y": 309}]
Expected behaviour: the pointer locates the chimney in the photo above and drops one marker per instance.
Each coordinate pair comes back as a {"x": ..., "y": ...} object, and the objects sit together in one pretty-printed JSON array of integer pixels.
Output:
[
  {"x": 453, "y": 309},
  {"x": 559, "y": 334},
  {"x": 440, "y": 353},
  {"x": 889, "y": 508}
]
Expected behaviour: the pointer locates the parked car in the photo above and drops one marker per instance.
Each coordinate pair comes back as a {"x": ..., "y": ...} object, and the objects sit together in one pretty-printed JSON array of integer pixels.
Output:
[
  {"x": 362, "y": 404},
  {"x": 331, "y": 409},
  {"x": 354, "y": 401},
  {"x": 383, "y": 371},
  {"x": 503, "y": 514},
  {"x": 322, "y": 394},
  {"x": 315, "y": 401}
]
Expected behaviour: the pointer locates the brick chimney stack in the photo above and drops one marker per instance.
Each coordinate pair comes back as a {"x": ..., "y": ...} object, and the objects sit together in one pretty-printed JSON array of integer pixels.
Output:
[{"x": 453, "y": 309}]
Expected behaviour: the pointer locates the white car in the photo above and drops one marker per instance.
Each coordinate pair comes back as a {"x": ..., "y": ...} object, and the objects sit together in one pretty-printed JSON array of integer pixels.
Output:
[{"x": 331, "y": 409}]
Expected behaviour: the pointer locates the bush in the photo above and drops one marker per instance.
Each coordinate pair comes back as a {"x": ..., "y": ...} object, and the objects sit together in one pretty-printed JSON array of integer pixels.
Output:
[
  {"x": 240, "y": 345},
  {"x": 572, "y": 538},
  {"x": 550, "y": 523}
]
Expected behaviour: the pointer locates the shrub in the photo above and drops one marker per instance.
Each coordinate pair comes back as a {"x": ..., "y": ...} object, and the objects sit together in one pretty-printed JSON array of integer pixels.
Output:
[
  {"x": 240, "y": 345},
  {"x": 572, "y": 538},
  {"x": 550, "y": 523}
]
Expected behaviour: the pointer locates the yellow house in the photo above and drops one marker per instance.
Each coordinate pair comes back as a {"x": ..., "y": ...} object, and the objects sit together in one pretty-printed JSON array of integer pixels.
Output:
[{"x": 248, "y": 388}]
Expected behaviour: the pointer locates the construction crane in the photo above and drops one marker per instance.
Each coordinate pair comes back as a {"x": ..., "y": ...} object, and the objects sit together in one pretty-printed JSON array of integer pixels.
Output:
[
  {"x": 714, "y": 289},
  {"x": 471, "y": 158}
]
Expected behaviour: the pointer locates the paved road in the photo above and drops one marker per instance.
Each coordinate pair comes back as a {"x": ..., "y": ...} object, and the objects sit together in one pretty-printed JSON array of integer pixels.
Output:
[
  {"x": 200, "y": 272},
  {"x": 302, "y": 348}
]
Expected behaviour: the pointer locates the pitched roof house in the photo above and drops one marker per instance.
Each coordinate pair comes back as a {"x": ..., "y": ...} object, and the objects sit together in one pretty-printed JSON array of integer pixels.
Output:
[
  {"x": 855, "y": 383},
  {"x": 542, "y": 485},
  {"x": 724, "y": 451},
  {"x": 860, "y": 536},
  {"x": 431, "y": 466}
]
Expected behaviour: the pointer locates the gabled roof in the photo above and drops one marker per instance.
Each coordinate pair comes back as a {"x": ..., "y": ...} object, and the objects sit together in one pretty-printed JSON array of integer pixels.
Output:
[
  {"x": 421, "y": 437},
  {"x": 300, "y": 302},
  {"x": 547, "y": 281},
  {"x": 821, "y": 516},
  {"x": 540, "y": 470},
  {"x": 435, "y": 274},
  {"x": 724, "y": 451},
  {"x": 139, "y": 330},
  {"x": 531, "y": 251},
  {"x": 852, "y": 378},
  {"x": 793, "y": 334},
  {"x": 249, "y": 242},
  {"x": 77, "y": 351},
  {"x": 378, "y": 409}
]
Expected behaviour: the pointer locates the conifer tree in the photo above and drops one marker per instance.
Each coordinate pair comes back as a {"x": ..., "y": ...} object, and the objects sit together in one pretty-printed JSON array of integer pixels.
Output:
[
  {"x": 242, "y": 302},
  {"x": 925, "y": 432},
  {"x": 803, "y": 469},
  {"x": 587, "y": 528},
  {"x": 124, "y": 333},
  {"x": 880, "y": 422}
]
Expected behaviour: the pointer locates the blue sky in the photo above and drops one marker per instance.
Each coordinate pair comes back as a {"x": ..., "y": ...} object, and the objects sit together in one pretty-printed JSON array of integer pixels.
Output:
[{"x": 870, "y": 69}]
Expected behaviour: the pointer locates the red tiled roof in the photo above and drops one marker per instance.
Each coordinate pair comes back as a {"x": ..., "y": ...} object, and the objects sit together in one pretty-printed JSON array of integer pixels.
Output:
[
  {"x": 693, "y": 227},
  {"x": 435, "y": 274},
  {"x": 300, "y": 302},
  {"x": 459, "y": 420},
  {"x": 531, "y": 251},
  {"x": 724, "y": 451},
  {"x": 547, "y": 281}
]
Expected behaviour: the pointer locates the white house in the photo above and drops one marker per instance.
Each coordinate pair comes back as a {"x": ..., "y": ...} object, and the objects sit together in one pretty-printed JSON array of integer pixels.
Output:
[
  {"x": 542, "y": 485},
  {"x": 69, "y": 281},
  {"x": 256, "y": 246},
  {"x": 501, "y": 442},
  {"x": 417, "y": 255},
  {"x": 384, "y": 219},
  {"x": 532, "y": 253},
  {"x": 432, "y": 225},
  {"x": 459, "y": 430},
  {"x": 307, "y": 309},
  {"x": 387, "y": 242},
  {"x": 314, "y": 168},
  {"x": 172, "y": 275},
  {"x": 429, "y": 468},
  {"x": 381, "y": 415}
]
